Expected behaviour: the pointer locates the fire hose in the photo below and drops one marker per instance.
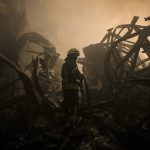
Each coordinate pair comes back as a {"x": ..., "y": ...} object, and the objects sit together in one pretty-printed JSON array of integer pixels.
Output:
[{"x": 85, "y": 91}]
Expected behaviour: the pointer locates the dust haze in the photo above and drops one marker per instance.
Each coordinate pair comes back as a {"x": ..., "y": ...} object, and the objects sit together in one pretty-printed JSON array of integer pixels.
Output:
[{"x": 78, "y": 23}]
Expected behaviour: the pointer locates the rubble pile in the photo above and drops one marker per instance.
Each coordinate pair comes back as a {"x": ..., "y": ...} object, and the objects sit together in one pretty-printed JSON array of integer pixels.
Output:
[
  {"x": 117, "y": 72},
  {"x": 121, "y": 56},
  {"x": 118, "y": 69},
  {"x": 32, "y": 53}
]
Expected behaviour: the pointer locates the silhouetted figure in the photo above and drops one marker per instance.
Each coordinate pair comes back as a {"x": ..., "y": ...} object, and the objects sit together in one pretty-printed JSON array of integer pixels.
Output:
[{"x": 71, "y": 78}]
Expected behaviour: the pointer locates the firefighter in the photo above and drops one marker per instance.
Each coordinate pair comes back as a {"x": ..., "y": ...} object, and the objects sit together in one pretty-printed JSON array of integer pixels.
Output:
[{"x": 71, "y": 79}]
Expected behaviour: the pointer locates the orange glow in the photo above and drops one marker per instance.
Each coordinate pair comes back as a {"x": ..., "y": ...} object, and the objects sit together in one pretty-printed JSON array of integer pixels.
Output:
[{"x": 78, "y": 23}]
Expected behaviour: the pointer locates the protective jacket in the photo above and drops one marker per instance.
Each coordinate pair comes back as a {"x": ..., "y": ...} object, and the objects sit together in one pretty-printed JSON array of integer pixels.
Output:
[{"x": 71, "y": 76}]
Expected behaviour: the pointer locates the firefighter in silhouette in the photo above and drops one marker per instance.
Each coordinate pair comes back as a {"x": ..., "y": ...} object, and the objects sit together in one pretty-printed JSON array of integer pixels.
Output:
[{"x": 71, "y": 79}]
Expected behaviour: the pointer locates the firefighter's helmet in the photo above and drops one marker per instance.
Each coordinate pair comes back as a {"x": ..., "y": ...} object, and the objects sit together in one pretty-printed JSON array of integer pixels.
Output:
[{"x": 73, "y": 51}]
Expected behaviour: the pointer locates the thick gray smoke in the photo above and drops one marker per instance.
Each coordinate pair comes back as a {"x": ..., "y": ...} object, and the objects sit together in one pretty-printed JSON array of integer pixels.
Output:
[{"x": 78, "y": 23}]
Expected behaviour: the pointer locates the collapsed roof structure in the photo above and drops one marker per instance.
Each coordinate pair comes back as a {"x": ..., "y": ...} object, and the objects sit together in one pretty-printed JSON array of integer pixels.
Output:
[
  {"x": 116, "y": 70},
  {"x": 121, "y": 58}
]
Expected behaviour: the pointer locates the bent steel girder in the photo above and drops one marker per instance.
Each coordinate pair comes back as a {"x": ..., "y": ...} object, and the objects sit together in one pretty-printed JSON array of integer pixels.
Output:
[
  {"x": 123, "y": 57},
  {"x": 47, "y": 48},
  {"x": 28, "y": 86},
  {"x": 35, "y": 38},
  {"x": 38, "y": 39},
  {"x": 47, "y": 53}
]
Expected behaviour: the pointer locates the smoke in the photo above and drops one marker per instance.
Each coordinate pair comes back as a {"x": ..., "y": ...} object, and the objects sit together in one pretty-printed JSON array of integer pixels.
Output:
[{"x": 78, "y": 23}]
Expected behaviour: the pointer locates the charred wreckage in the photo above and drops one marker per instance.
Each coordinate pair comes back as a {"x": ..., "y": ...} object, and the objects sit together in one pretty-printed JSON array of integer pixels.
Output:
[{"x": 114, "y": 110}]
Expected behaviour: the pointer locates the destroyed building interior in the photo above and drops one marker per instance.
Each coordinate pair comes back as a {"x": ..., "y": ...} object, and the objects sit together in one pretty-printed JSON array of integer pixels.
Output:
[{"x": 114, "y": 100}]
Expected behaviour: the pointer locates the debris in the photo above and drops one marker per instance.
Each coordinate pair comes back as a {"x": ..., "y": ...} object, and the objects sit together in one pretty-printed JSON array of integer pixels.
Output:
[{"x": 116, "y": 69}]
